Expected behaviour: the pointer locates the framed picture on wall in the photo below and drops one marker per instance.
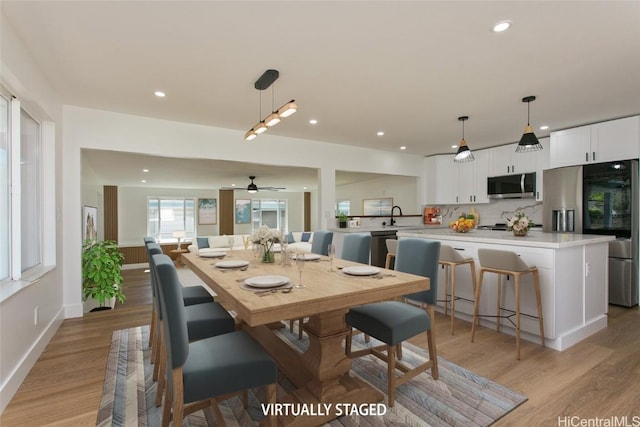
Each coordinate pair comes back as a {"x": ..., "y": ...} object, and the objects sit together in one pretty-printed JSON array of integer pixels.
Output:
[
  {"x": 207, "y": 211},
  {"x": 377, "y": 207},
  {"x": 243, "y": 211},
  {"x": 89, "y": 223}
]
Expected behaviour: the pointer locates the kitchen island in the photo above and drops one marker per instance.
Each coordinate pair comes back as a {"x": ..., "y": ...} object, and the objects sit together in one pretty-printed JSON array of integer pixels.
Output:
[{"x": 573, "y": 281}]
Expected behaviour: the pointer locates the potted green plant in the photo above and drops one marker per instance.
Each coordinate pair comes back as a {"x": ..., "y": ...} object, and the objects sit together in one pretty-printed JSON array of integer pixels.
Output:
[
  {"x": 101, "y": 272},
  {"x": 342, "y": 220}
]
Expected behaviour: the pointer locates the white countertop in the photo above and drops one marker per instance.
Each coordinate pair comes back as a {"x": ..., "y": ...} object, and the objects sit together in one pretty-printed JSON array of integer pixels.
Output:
[
  {"x": 369, "y": 229},
  {"x": 534, "y": 238}
]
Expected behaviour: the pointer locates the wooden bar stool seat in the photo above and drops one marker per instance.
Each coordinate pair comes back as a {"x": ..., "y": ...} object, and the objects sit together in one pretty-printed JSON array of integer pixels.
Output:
[
  {"x": 507, "y": 263},
  {"x": 450, "y": 259}
]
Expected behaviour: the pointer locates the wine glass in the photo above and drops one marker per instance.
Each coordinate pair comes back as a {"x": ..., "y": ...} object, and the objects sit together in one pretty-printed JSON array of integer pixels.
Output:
[
  {"x": 331, "y": 251},
  {"x": 256, "y": 253},
  {"x": 300, "y": 260},
  {"x": 231, "y": 241}
]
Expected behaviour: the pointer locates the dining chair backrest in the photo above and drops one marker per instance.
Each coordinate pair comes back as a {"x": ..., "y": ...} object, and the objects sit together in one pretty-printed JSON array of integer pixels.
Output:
[
  {"x": 420, "y": 257},
  {"x": 173, "y": 313},
  {"x": 356, "y": 247},
  {"x": 149, "y": 239},
  {"x": 321, "y": 241}
]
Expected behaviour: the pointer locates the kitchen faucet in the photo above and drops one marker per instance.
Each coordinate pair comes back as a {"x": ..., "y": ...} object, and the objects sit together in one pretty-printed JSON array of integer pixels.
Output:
[{"x": 393, "y": 221}]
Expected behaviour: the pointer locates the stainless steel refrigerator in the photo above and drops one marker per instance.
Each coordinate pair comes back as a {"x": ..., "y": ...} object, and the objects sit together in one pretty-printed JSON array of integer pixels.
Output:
[{"x": 600, "y": 198}]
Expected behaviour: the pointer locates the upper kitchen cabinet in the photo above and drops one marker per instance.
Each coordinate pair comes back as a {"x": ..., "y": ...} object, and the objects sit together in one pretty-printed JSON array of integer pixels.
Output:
[
  {"x": 600, "y": 142},
  {"x": 505, "y": 161},
  {"x": 542, "y": 163},
  {"x": 450, "y": 183}
]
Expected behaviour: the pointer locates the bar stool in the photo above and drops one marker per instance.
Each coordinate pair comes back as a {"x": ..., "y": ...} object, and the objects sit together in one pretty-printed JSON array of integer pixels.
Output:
[
  {"x": 507, "y": 263},
  {"x": 392, "y": 248},
  {"x": 450, "y": 259}
]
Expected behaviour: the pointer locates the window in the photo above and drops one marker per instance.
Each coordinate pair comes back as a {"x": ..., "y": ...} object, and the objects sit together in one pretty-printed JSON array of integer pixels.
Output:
[
  {"x": 27, "y": 195},
  {"x": 164, "y": 216},
  {"x": 343, "y": 207},
  {"x": 30, "y": 207},
  {"x": 4, "y": 188},
  {"x": 272, "y": 213}
]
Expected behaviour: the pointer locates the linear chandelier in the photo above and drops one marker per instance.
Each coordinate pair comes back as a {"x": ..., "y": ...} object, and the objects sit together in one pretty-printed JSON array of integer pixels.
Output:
[{"x": 266, "y": 80}]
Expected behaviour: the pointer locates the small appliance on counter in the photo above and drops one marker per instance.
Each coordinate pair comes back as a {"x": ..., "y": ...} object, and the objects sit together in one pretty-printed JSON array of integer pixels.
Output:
[{"x": 432, "y": 216}]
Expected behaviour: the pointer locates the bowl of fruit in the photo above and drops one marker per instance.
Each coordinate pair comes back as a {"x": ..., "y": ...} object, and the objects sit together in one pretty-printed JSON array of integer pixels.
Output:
[{"x": 464, "y": 224}]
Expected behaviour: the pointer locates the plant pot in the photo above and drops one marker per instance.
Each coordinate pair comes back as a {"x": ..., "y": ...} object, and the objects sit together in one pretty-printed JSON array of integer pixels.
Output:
[
  {"x": 99, "y": 309},
  {"x": 520, "y": 233},
  {"x": 342, "y": 224}
]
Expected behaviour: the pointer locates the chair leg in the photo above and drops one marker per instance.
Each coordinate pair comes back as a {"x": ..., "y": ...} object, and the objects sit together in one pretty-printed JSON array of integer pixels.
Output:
[
  {"x": 536, "y": 285},
  {"x": 152, "y": 330},
  {"x": 453, "y": 296},
  {"x": 178, "y": 398},
  {"x": 446, "y": 289},
  {"x": 162, "y": 376},
  {"x": 474, "y": 279},
  {"x": 347, "y": 343},
  {"x": 399, "y": 351},
  {"x": 271, "y": 420},
  {"x": 291, "y": 325},
  {"x": 156, "y": 351},
  {"x": 300, "y": 324},
  {"x": 498, "y": 303},
  {"x": 517, "y": 279},
  {"x": 433, "y": 354},
  {"x": 391, "y": 373},
  {"x": 166, "y": 411},
  {"x": 476, "y": 304}
]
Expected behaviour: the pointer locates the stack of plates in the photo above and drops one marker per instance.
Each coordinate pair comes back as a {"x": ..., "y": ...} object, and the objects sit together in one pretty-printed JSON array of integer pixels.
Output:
[
  {"x": 266, "y": 281},
  {"x": 232, "y": 263},
  {"x": 361, "y": 270}
]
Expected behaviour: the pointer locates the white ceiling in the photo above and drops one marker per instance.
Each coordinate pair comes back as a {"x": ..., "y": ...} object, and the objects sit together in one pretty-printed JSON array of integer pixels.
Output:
[{"x": 408, "y": 68}]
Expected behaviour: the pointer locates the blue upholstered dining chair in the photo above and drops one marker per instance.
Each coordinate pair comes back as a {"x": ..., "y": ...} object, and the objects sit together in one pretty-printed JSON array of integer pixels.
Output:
[
  {"x": 206, "y": 371},
  {"x": 356, "y": 247},
  {"x": 393, "y": 322},
  {"x": 204, "y": 320},
  {"x": 321, "y": 241}
]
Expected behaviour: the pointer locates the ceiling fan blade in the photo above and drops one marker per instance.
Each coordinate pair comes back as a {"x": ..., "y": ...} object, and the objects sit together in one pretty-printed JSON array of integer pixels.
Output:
[{"x": 272, "y": 188}]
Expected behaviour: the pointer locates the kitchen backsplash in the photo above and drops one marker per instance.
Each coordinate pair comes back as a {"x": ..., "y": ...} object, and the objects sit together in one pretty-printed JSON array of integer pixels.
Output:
[{"x": 496, "y": 211}]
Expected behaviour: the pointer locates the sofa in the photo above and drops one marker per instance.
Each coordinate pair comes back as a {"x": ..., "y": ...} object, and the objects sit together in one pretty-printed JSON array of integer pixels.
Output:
[{"x": 298, "y": 241}]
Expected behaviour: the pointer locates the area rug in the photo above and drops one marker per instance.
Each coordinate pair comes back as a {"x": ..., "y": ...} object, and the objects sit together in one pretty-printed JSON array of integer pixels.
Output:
[{"x": 458, "y": 398}]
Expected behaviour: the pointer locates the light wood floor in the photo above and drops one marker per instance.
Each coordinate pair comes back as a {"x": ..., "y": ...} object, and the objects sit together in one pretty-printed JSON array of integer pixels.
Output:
[{"x": 599, "y": 377}]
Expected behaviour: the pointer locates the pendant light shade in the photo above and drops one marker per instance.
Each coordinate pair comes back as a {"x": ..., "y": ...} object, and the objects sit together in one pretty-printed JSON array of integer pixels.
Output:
[
  {"x": 272, "y": 119},
  {"x": 265, "y": 81},
  {"x": 464, "y": 154},
  {"x": 288, "y": 109},
  {"x": 529, "y": 141},
  {"x": 250, "y": 135}
]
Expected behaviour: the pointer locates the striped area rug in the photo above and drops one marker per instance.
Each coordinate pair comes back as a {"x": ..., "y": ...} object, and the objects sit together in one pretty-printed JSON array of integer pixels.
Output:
[{"x": 458, "y": 398}]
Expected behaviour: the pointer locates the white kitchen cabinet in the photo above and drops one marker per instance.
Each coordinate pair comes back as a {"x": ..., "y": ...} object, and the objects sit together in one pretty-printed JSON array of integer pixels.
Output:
[
  {"x": 504, "y": 160},
  {"x": 600, "y": 142},
  {"x": 458, "y": 183},
  {"x": 542, "y": 163}
]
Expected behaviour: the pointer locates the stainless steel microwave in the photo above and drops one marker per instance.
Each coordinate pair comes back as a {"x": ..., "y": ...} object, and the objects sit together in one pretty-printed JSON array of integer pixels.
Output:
[{"x": 512, "y": 186}]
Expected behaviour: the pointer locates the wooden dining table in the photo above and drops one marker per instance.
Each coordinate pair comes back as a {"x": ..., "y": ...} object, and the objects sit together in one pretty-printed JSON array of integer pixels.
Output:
[{"x": 321, "y": 374}]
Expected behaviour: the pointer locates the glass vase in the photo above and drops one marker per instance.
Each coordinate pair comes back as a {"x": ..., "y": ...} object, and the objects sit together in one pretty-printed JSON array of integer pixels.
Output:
[
  {"x": 267, "y": 255},
  {"x": 520, "y": 233}
]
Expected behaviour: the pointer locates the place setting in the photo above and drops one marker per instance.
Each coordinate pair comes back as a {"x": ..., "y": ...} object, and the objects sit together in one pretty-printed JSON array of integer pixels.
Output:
[
  {"x": 231, "y": 265},
  {"x": 217, "y": 254},
  {"x": 364, "y": 271},
  {"x": 265, "y": 285}
]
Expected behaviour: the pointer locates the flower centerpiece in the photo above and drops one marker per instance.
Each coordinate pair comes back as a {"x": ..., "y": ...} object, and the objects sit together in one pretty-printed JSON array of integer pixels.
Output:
[
  {"x": 265, "y": 237},
  {"x": 519, "y": 224}
]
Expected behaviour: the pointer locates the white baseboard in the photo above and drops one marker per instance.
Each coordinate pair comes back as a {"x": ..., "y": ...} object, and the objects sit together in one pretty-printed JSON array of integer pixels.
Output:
[{"x": 17, "y": 377}]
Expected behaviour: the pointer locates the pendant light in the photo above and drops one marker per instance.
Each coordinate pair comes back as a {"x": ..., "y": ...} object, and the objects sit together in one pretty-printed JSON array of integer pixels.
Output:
[
  {"x": 464, "y": 154},
  {"x": 528, "y": 142}
]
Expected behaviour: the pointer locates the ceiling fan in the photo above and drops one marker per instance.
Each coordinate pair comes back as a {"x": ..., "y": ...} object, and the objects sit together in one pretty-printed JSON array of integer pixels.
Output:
[{"x": 253, "y": 188}]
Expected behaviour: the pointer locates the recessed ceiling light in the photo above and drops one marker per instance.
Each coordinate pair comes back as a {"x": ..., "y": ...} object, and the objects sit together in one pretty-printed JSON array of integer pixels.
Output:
[
  {"x": 313, "y": 122},
  {"x": 304, "y": 188},
  {"x": 380, "y": 133},
  {"x": 233, "y": 185},
  {"x": 403, "y": 148},
  {"x": 159, "y": 94},
  {"x": 501, "y": 26},
  {"x": 545, "y": 127},
  {"x": 145, "y": 170},
  {"x": 454, "y": 146},
  {"x": 144, "y": 180}
]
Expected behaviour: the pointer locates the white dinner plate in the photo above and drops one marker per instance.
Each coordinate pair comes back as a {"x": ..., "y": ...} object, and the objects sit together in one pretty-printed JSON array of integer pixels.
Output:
[
  {"x": 266, "y": 281},
  {"x": 232, "y": 263},
  {"x": 361, "y": 270},
  {"x": 308, "y": 257},
  {"x": 213, "y": 255}
]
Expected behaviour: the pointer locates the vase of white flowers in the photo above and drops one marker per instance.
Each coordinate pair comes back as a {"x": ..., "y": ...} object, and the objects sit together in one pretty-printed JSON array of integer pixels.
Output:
[
  {"x": 265, "y": 237},
  {"x": 519, "y": 224}
]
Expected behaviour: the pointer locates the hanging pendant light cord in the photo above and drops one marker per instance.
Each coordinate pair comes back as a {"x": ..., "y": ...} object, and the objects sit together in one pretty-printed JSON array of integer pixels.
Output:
[{"x": 528, "y": 111}]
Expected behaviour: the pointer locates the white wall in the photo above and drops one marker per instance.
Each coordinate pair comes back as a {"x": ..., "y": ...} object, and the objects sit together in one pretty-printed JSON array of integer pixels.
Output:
[
  {"x": 94, "y": 129},
  {"x": 21, "y": 338}
]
